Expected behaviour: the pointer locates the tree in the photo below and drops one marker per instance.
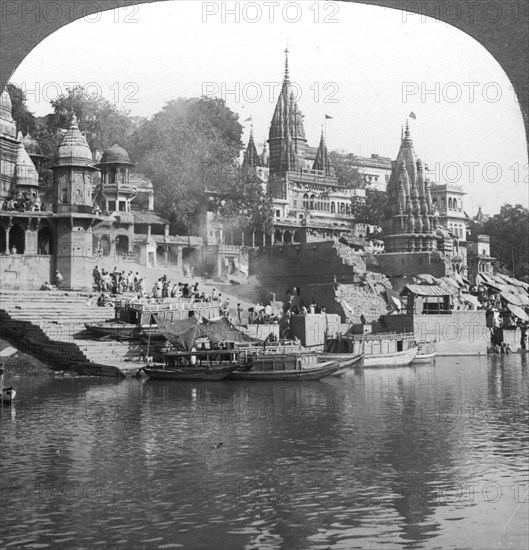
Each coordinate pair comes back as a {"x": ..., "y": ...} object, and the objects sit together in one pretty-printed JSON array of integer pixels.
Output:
[
  {"x": 345, "y": 169},
  {"x": 247, "y": 205},
  {"x": 102, "y": 123},
  {"x": 24, "y": 118},
  {"x": 509, "y": 237},
  {"x": 190, "y": 147},
  {"x": 372, "y": 210}
]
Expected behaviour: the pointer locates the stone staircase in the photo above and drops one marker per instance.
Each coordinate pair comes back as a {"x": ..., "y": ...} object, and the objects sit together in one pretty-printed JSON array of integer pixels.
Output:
[{"x": 51, "y": 326}]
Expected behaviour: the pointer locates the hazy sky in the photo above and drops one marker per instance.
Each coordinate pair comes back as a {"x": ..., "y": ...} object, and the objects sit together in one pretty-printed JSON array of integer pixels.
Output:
[{"x": 367, "y": 67}]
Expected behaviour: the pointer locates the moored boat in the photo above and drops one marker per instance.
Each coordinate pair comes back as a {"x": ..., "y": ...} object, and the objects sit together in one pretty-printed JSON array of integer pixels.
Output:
[
  {"x": 426, "y": 352},
  {"x": 7, "y": 394},
  {"x": 380, "y": 350},
  {"x": 116, "y": 329},
  {"x": 286, "y": 367},
  {"x": 396, "y": 359},
  {"x": 194, "y": 365},
  {"x": 347, "y": 361}
]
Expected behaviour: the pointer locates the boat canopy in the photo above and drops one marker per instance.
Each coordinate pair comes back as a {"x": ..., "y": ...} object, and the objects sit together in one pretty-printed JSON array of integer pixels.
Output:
[
  {"x": 425, "y": 290},
  {"x": 518, "y": 312}
]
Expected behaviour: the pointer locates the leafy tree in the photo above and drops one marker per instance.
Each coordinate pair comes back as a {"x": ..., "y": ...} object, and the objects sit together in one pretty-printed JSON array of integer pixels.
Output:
[
  {"x": 372, "y": 210},
  {"x": 24, "y": 118},
  {"x": 509, "y": 236},
  {"x": 345, "y": 169},
  {"x": 99, "y": 120},
  {"x": 247, "y": 205},
  {"x": 189, "y": 148}
]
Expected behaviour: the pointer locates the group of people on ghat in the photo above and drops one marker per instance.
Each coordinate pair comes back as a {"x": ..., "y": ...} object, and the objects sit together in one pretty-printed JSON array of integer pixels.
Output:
[{"x": 117, "y": 282}]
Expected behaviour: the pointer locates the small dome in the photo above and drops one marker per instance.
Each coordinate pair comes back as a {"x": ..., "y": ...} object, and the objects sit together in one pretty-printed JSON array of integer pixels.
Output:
[
  {"x": 115, "y": 155},
  {"x": 73, "y": 150},
  {"x": 8, "y": 126},
  {"x": 32, "y": 146}
]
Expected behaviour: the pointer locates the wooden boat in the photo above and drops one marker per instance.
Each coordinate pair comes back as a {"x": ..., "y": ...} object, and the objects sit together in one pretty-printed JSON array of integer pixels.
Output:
[
  {"x": 347, "y": 362},
  {"x": 195, "y": 365},
  {"x": 426, "y": 352},
  {"x": 396, "y": 359},
  {"x": 116, "y": 329},
  {"x": 380, "y": 350},
  {"x": 287, "y": 367},
  {"x": 7, "y": 394}
]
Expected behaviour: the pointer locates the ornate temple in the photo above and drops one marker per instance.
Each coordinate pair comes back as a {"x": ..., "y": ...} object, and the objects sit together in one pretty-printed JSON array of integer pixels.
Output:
[
  {"x": 101, "y": 212},
  {"x": 412, "y": 220},
  {"x": 309, "y": 203}
]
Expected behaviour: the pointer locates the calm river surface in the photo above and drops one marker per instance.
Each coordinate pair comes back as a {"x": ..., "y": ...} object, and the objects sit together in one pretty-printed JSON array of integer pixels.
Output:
[{"x": 418, "y": 457}]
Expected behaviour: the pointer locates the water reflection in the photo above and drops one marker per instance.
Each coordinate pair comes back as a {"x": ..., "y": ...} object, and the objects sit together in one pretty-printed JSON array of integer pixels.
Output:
[{"x": 410, "y": 458}]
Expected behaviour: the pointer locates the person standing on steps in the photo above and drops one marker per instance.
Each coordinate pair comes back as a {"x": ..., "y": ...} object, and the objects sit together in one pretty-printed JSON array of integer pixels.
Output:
[{"x": 58, "y": 278}]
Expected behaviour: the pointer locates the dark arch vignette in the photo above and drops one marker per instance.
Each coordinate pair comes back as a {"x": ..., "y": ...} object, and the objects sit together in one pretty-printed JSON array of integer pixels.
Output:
[{"x": 505, "y": 37}]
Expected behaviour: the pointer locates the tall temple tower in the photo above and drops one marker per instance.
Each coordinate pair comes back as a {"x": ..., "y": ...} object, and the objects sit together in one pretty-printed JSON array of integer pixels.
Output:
[
  {"x": 412, "y": 224},
  {"x": 72, "y": 176},
  {"x": 287, "y": 135},
  {"x": 251, "y": 157},
  {"x": 8, "y": 147},
  {"x": 322, "y": 161}
]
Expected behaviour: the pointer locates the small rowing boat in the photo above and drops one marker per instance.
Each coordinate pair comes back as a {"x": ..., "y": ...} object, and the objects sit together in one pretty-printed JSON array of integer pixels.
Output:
[
  {"x": 426, "y": 352},
  {"x": 347, "y": 361},
  {"x": 116, "y": 329},
  {"x": 7, "y": 394}
]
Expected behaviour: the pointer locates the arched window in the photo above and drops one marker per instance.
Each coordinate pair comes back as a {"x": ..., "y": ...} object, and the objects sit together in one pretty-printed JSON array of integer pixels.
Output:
[
  {"x": 450, "y": 204},
  {"x": 112, "y": 176},
  {"x": 305, "y": 201},
  {"x": 311, "y": 206},
  {"x": 333, "y": 208},
  {"x": 460, "y": 205}
]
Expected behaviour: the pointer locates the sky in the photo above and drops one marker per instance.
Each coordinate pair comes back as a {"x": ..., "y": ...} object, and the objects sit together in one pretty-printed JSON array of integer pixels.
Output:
[{"x": 367, "y": 67}]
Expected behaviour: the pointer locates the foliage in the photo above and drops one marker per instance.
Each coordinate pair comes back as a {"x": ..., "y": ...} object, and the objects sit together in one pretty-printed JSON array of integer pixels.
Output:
[
  {"x": 246, "y": 204},
  {"x": 99, "y": 120},
  {"x": 509, "y": 236},
  {"x": 345, "y": 169},
  {"x": 24, "y": 118},
  {"x": 372, "y": 210},
  {"x": 190, "y": 150}
]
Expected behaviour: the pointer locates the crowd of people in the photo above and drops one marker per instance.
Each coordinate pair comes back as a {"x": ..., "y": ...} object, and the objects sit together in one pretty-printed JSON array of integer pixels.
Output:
[{"x": 22, "y": 203}]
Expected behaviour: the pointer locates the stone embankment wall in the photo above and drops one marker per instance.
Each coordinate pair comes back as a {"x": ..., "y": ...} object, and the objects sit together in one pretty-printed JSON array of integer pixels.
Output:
[
  {"x": 314, "y": 268},
  {"x": 24, "y": 271},
  {"x": 459, "y": 333},
  {"x": 397, "y": 264}
]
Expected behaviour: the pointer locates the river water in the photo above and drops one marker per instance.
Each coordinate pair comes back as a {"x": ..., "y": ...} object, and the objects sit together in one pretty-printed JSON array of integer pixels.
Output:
[{"x": 432, "y": 456}]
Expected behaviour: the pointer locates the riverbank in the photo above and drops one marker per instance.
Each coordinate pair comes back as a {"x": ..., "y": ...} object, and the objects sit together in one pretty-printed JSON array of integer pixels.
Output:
[{"x": 22, "y": 364}]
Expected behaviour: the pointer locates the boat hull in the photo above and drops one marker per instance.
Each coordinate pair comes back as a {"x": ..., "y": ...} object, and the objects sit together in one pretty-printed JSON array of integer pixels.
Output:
[
  {"x": 346, "y": 363},
  {"x": 117, "y": 330},
  {"x": 397, "y": 359},
  {"x": 8, "y": 395},
  {"x": 190, "y": 373},
  {"x": 421, "y": 359},
  {"x": 311, "y": 373}
]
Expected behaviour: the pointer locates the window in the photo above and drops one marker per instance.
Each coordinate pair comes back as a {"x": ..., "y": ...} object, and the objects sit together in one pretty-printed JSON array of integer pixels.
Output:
[
  {"x": 112, "y": 176},
  {"x": 64, "y": 194},
  {"x": 111, "y": 206},
  {"x": 333, "y": 208},
  {"x": 122, "y": 206},
  {"x": 278, "y": 213}
]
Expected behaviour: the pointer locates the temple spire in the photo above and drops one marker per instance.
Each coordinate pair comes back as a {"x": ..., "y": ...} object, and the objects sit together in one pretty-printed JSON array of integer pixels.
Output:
[{"x": 287, "y": 75}]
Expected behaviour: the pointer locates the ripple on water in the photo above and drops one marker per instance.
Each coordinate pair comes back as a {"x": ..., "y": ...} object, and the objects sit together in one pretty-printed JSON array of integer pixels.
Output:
[{"x": 371, "y": 468}]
